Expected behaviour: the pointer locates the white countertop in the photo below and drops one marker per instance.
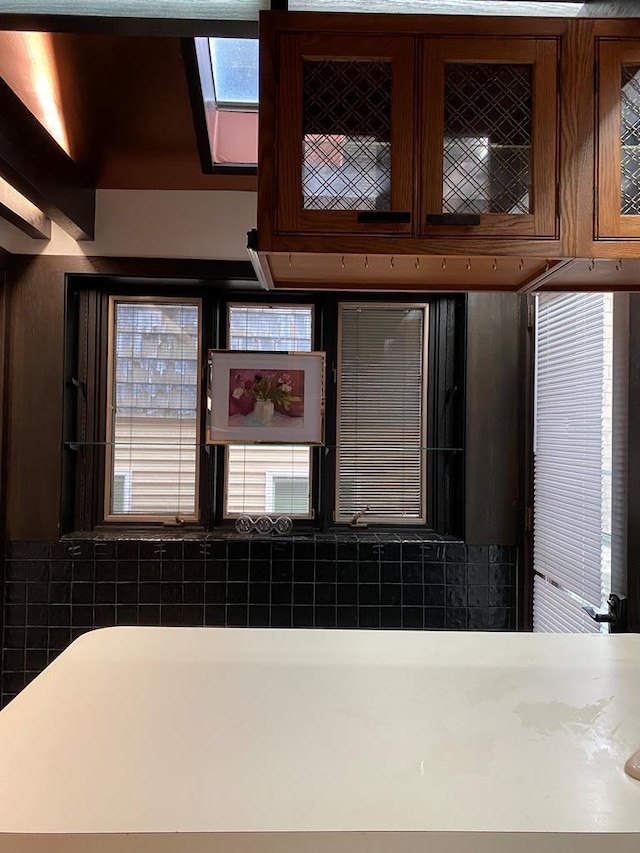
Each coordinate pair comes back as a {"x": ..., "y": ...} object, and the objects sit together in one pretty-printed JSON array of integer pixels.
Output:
[{"x": 292, "y": 741}]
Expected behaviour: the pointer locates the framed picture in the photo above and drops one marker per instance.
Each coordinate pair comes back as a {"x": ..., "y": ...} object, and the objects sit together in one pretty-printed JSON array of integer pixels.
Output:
[{"x": 266, "y": 398}]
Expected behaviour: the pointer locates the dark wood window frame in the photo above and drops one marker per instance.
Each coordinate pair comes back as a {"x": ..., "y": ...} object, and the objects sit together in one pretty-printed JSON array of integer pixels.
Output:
[{"x": 84, "y": 426}]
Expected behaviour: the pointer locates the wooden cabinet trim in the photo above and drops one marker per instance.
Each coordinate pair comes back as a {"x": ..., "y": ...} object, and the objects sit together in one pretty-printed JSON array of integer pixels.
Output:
[
  {"x": 293, "y": 49},
  {"x": 418, "y": 25},
  {"x": 545, "y": 138},
  {"x": 610, "y": 222},
  {"x": 542, "y": 55}
]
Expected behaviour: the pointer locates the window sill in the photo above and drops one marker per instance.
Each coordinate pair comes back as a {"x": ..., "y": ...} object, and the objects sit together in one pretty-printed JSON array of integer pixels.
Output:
[{"x": 345, "y": 534}]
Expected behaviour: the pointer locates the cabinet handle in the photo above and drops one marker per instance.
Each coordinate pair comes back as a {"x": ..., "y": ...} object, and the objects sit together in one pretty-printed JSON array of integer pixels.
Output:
[
  {"x": 398, "y": 217},
  {"x": 453, "y": 219}
]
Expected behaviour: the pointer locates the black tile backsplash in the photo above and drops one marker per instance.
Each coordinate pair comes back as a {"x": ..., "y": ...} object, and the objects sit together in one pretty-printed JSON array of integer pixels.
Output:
[{"x": 55, "y": 591}]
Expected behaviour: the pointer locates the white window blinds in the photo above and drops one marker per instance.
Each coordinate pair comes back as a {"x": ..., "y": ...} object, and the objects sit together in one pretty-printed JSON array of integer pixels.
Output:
[
  {"x": 573, "y": 449},
  {"x": 153, "y": 408},
  {"x": 381, "y": 412}
]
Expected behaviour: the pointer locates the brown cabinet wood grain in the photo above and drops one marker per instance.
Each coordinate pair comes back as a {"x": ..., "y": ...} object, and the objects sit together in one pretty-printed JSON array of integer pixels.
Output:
[
  {"x": 363, "y": 135},
  {"x": 489, "y": 141},
  {"x": 618, "y": 141},
  {"x": 511, "y": 139},
  {"x": 345, "y": 139}
]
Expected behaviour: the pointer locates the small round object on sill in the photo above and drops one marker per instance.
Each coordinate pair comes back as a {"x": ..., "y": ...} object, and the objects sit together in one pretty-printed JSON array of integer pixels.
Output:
[
  {"x": 284, "y": 524},
  {"x": 244, "y": 524},
  {"x": 264, "y": 524}
]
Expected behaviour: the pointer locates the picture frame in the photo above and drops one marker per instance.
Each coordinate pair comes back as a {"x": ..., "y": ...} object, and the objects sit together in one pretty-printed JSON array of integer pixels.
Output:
[{"x": 257, "y": 397}]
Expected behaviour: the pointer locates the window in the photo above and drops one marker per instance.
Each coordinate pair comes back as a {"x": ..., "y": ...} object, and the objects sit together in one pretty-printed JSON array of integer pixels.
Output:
[
  {"x": 227, "y": 102},
  {"x": 579, "y": 459},
  {"x": 134, "y": 449},
  {"x": 153, "y": 409},
  {"x": 250, "y": 469},
  {"x": 121, "y": 492},
  {"x": 287, "y": 492},
  {"x": 381, "y": 424}
]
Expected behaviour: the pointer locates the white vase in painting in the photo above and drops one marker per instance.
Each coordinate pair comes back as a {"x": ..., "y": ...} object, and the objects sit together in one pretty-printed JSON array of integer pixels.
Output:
[{"x": 263, "y": 411}]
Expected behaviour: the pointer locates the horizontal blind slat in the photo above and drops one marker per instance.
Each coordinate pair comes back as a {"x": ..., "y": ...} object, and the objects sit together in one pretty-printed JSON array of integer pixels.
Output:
[
  {"x": 571, "y": 375},
  {"x": 380, "y": 428}
]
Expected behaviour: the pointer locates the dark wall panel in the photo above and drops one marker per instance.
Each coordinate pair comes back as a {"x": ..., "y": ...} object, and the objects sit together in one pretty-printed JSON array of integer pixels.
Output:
[
  {"x": 34, "y": 423},
  {"x": 3, "y": 343},
  {"x": 493, "y": 418},
  {"x": 35, "y": 374},
  {"x": 633, "y": 530}
]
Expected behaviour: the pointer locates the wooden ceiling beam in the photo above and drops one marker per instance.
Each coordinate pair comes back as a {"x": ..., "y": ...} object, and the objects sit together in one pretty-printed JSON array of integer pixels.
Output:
[
  {"x": 38, "y": 168},
  {"x": 19, "y": 211}
]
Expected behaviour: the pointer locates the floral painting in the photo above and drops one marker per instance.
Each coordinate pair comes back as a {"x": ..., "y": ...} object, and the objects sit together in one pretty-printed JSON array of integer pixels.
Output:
[{"x": 265, "y": 397}]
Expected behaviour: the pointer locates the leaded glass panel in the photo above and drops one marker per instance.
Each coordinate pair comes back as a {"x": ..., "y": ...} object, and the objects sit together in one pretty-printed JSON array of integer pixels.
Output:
[
  {"x": 346, "y": 160},
  {"x": 487, "y": 139},
  {"x": 630, "y": 141}
]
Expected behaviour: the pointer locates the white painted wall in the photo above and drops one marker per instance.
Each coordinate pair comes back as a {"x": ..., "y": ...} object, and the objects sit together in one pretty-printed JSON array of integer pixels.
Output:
[{"x": 154, "y": 224}]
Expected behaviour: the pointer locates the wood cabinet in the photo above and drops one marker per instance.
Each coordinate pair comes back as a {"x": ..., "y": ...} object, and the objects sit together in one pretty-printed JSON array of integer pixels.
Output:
[
  {"x": 488, "y": 155},
  {"x": 409, "y": 135},
  {"x": 601, "y": 140},
  {"x": 345, "y": 135},
  {"x": 463, "y": 153},
  {"x": 618, "y": 143}
]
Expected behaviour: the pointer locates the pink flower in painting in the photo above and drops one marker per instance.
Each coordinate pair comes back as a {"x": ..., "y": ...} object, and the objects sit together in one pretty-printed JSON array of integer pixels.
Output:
[{"x": 285, "y": 391}]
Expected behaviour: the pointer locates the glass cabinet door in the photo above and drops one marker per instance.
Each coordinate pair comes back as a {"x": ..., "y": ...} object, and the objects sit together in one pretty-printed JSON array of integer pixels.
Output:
[
  {"x": 489, "y": 152},
  {"x": 618, "y": 140},
  {"x": 345, "y": 134}
]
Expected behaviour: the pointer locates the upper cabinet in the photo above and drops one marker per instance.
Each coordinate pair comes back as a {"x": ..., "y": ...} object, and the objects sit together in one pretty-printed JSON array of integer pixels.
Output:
[
  {"x": 618, "y": 142},
  {"x": 409, "y": 134},
  {"x": 488, "y": 158},
  {"x": 453, "y": 153},
  {"x": 345, "y": 134}
]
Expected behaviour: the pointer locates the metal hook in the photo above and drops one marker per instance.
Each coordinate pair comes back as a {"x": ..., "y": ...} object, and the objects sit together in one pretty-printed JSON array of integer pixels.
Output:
[
  {"x": 366, "y": 262},
  {"x": 391, "y": 262},
  {"x": 289, "y": 258},
  {"x": 468, "y": 263},
  {"x": 592, "y": 264},
  {"x": 444, "y": 264},
  {"x": 619, "y": 265},
  {"x": 494, "y": 265},
  {"x": 521, "y": 264},
  {"x": 342, "y": 262},
  {"x": 546, "y": 267},
  {"x": 417, "y": 263}
]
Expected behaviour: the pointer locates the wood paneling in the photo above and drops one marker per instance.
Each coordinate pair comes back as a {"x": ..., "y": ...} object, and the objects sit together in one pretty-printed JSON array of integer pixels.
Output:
[
  {"x": 38, "y": 168},
  {"x": 401, "y": 272},
  {"x": 120, "y": 106},
  {"x": 133, "y": 99},
  {"x": 493, "y": 445},
  {"x": 3, "y": 479},
  {"x": 28, "y": 65},
  {"x": 35, "y": 347},
  {"x": 596, "y": 274},
  {"x": 35, "y": 374},
  {"x": 25, "y": 216}
]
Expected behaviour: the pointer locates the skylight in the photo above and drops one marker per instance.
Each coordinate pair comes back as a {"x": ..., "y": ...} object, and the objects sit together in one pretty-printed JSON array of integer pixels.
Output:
[
  {"x": 228, "y": 71},
  {"x": 235, "y": 71}
]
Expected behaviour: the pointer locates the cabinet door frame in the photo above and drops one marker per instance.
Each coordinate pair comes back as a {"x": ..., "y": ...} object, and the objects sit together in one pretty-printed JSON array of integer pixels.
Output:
[
  {"x": 543, "y": 55},
  {"x": 611, "y": 223},
  {"x": 294, "y": 48}
]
